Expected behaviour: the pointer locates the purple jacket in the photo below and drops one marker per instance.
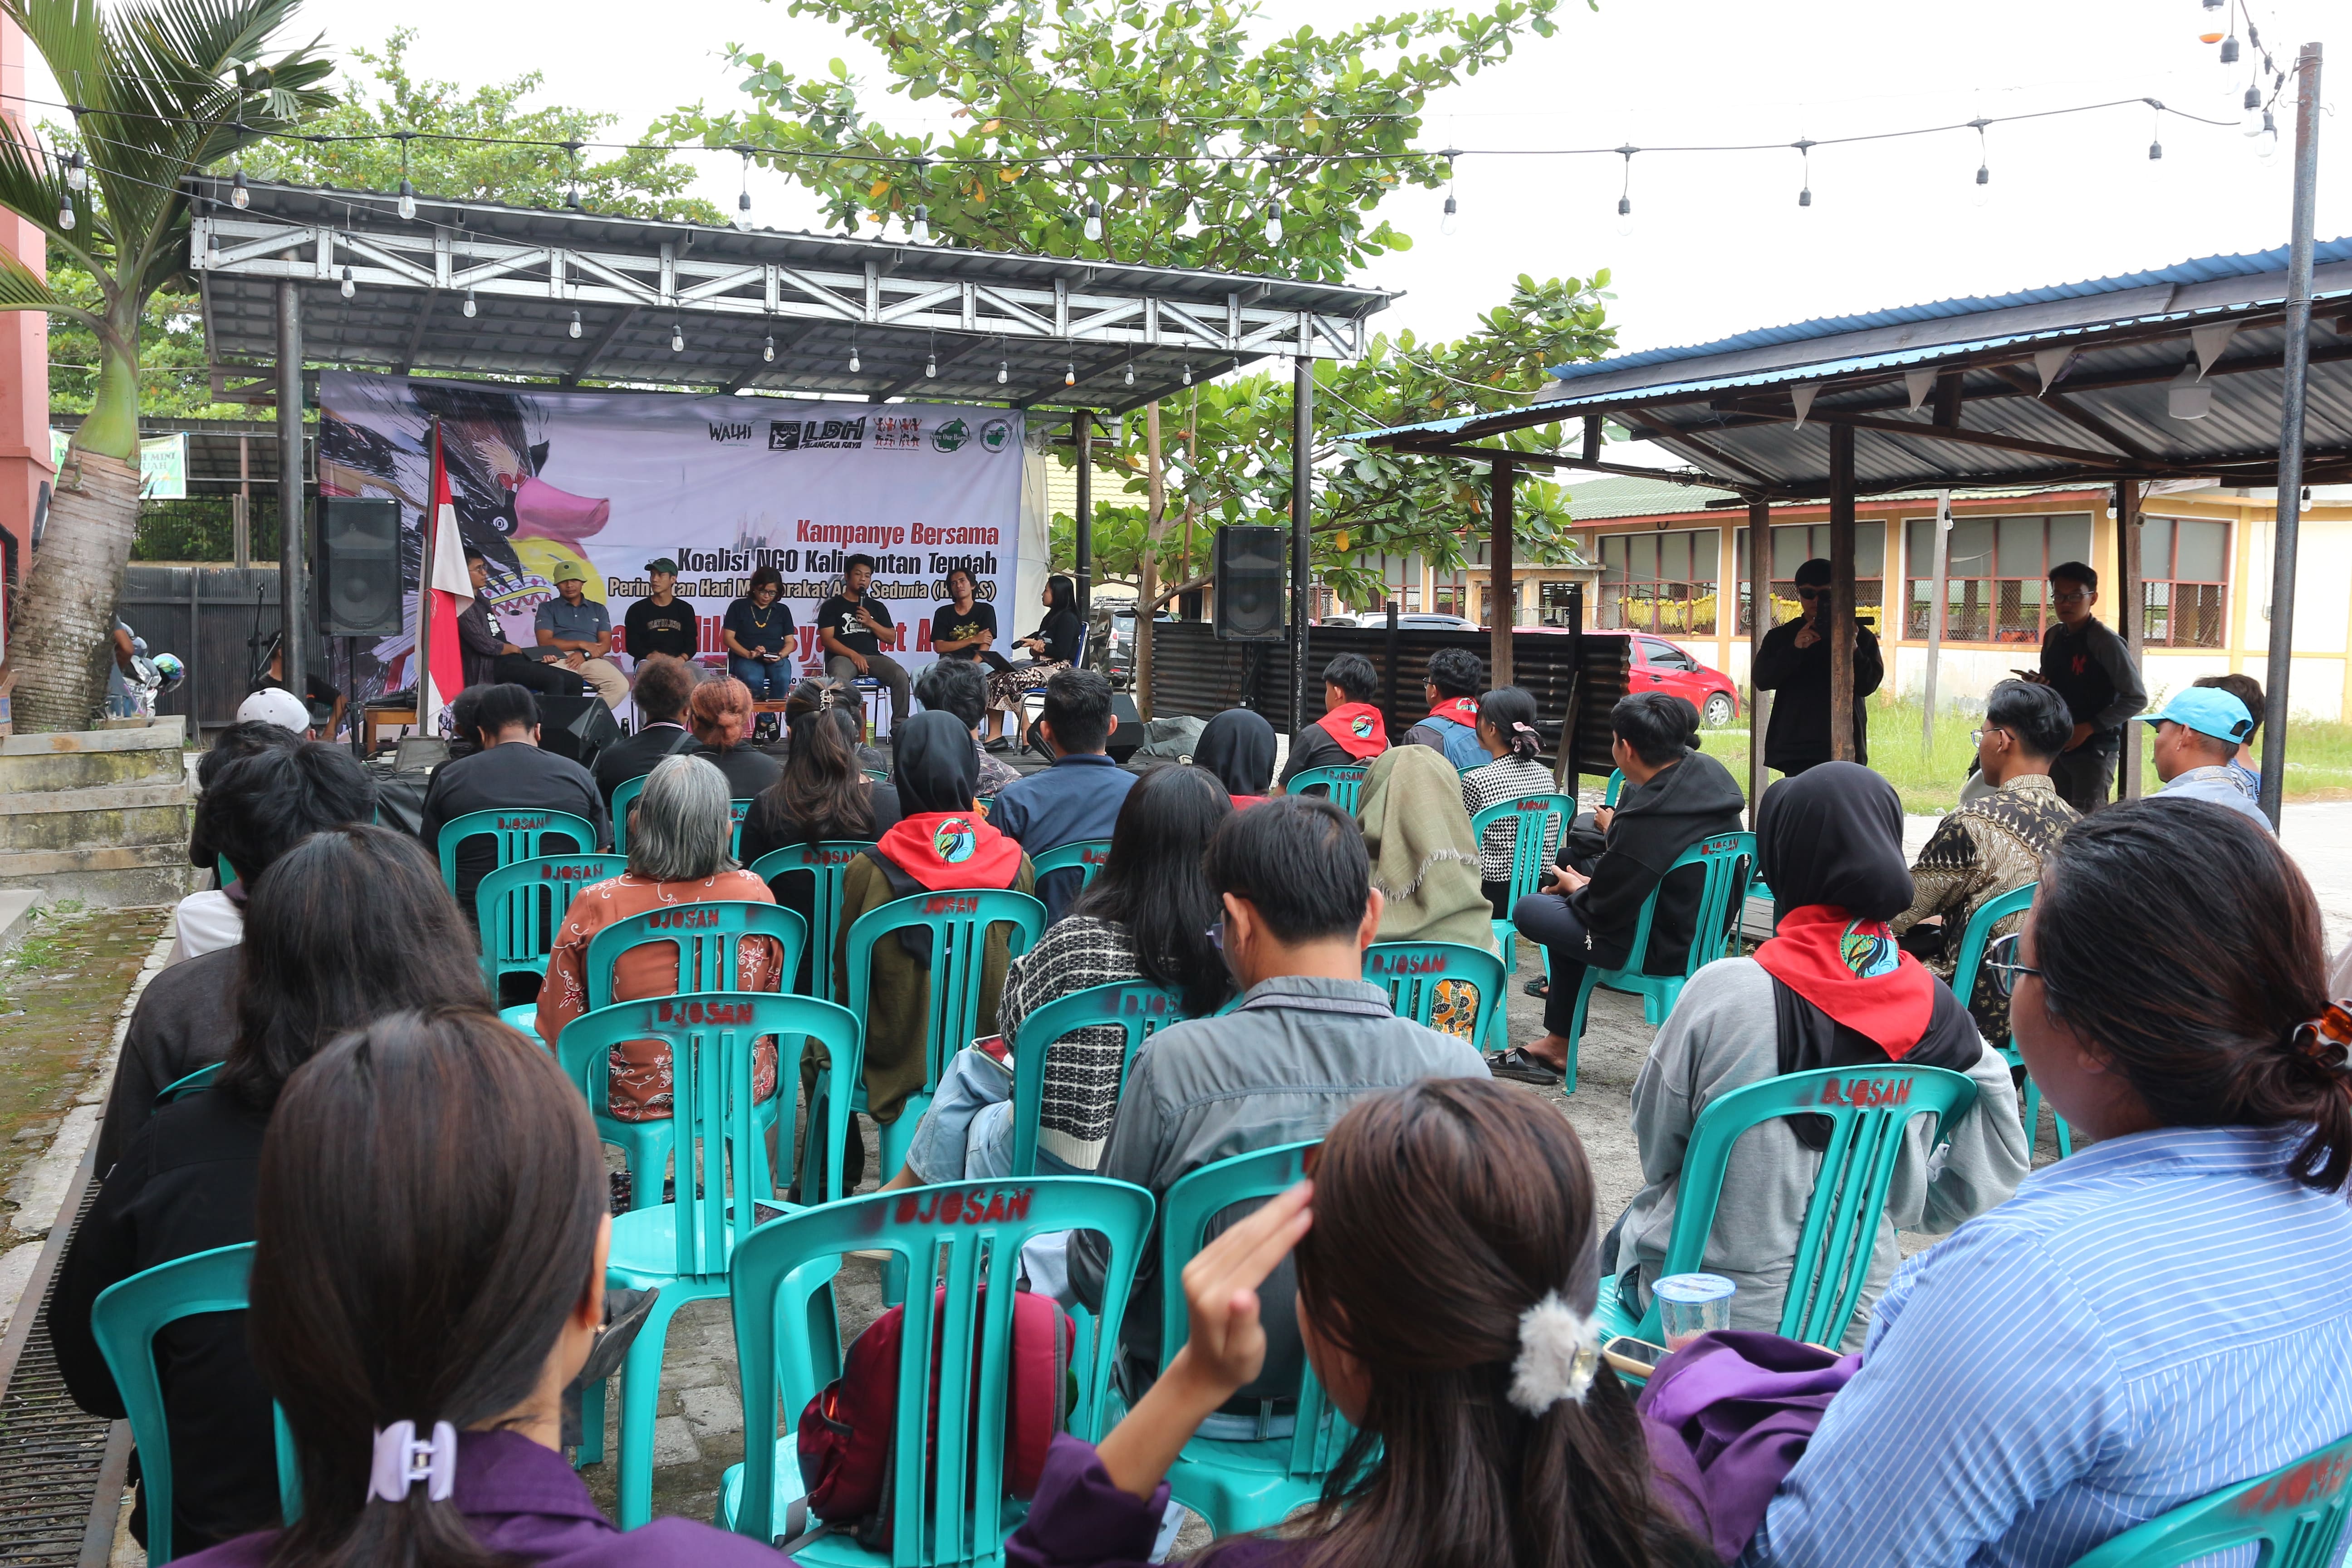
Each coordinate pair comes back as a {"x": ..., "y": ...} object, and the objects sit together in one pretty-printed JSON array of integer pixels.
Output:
[
  {"x": 1080, "y": 1520},
  {"x": 523, "y": 1499}
]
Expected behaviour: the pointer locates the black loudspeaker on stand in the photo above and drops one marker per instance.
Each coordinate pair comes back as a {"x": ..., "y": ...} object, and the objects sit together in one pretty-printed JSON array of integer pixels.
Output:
[
  {"x": 576, "y": 727},
  {"x": 359, "y": 568},
  {"x": 1129, "y": 738},
  {"x": 1252, "y": 572}
]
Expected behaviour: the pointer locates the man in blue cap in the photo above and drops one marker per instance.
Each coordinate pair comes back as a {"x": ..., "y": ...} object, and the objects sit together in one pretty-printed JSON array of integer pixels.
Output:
[{"x": 2197, "y": 733}]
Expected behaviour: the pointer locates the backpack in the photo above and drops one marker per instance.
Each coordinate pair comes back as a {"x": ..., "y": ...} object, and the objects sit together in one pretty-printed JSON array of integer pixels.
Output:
[{"x": 848, "y": 1432}]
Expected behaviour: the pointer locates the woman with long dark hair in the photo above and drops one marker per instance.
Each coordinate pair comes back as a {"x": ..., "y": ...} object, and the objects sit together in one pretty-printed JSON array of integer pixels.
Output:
[
  {"x": 1052, "y": 647},
  {"x": 758, "y": 632},
  {"x": 1147, "y": 917},
  {"x": 2188, "y": 1322},
  {"x": 348, "y": 925},
  {"x": 1447, "y": 1285},
  {"x": 822, "y": 796},
  {"x": 429, "y": 1279}
]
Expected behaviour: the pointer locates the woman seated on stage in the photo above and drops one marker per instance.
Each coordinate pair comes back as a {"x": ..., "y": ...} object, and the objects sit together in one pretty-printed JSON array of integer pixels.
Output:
[
  {"x": 821, "y": 795},
  {"x": 439, "y": 1291},
  {"x": 677, "y": 855},
  {"x": 1053, "y": 647},
  {"x": 758, "y": 632},
  {"x": 1147, "y": 917},
  {"x": 719, "y": 714}
]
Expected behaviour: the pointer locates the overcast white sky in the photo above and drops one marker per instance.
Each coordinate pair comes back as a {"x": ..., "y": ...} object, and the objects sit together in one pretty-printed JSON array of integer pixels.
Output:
[{"x": 1720, "y": 244}]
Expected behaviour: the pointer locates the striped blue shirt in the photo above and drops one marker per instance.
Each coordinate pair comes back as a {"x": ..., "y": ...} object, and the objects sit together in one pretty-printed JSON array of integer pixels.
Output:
[{"x": 2158, "y": 1316}]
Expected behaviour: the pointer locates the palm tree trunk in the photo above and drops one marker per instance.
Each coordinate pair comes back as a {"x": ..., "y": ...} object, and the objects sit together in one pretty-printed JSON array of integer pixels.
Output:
[{"x": 63, "y": 639}]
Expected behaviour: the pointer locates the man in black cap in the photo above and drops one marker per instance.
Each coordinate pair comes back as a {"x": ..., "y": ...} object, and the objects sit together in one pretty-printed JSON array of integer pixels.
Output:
[
  {"x": 1794, "y": 664},
  {"x": 661, "y": 623}
]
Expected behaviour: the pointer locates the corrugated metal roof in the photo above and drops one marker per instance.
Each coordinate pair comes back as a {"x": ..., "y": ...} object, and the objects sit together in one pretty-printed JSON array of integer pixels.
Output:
[{"x": 1609, "y": 495}]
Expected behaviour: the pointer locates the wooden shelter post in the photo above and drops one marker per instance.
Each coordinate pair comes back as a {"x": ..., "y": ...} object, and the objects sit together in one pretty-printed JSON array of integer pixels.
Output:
[
  {"x": 1842, "y": 604},
  {"x": 1502, "y": 611},
  {"x": 2131, "y": 622},
  {"x": 1759, "y": 621}
]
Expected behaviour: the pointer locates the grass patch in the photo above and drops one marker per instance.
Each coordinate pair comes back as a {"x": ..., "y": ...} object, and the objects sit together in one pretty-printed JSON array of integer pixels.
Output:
[{"x": 2318, "y": 757}]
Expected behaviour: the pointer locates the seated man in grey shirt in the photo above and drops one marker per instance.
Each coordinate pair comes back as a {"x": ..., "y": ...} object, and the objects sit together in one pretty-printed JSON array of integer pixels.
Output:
[
  {"x": 1311, "y": 1038},
  {"x": 2197, "y": 736}
]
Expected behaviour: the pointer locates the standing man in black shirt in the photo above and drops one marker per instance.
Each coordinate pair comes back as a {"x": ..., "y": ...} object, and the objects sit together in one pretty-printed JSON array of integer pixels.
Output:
[
  {"x": 661, "y": 622},
  {"x": 1794, "y": 664},
  {"x": 508, "y": 773},
  {"x": 851, "y": 627},
  {"x": 2088, "y": 664}
]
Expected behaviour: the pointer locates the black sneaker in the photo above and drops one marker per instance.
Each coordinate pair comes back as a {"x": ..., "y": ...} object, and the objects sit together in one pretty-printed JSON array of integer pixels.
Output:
[
  {"x": 1519, "y": 1067},
  {"x": 998, "y": 744}
]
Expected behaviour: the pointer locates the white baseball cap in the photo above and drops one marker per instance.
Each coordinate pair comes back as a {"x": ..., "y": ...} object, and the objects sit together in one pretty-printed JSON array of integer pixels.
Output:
[{"x": 276, "y": 705}]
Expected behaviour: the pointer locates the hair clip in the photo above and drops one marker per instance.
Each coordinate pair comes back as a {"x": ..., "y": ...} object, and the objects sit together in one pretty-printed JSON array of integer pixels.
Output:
[
  {"x": 1560, "y": 1350},
  {"x": 401, "y": 1461},
  {"x": 1524, "y": 729},
  {"x": 2329, "y": 1031}
]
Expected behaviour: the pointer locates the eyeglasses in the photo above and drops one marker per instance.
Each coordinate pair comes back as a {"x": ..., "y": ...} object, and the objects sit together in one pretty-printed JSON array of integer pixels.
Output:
[
  {"x": 2000, "y": 957},
  {"x": 2078, "y": 596},
  {"x": 1978, "y": 735},
  {"x": 1216, "y": 935},
  {"x": 1809, "y": 595}
]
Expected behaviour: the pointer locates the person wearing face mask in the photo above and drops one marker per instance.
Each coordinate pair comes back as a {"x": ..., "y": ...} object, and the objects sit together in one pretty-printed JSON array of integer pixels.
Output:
[{"x": 1794, "y": 664}]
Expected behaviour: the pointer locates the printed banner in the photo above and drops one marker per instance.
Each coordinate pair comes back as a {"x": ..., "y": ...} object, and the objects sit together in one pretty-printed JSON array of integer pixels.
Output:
[{"x": 614, "y": 480}]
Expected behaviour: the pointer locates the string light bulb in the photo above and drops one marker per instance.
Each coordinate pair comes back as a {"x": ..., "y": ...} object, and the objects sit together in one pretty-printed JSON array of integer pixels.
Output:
[
  {"x": 1188, "y": 375},
  {"x": 574, "y": 328},
  {"x": 1273, "y": 222},
  {"x": 1625, "y": 192},
  {"x": 65, "y": 220},
  {"x": 2230, "y": 50},
  {"x": 931, "y": 364},
  {"x": 1093, "y": 223},
  {"x": 1131, "y": 373},
  {"x": 743, "y": 197},
  {"x": 922, "y": 224},
  {"x": 2210, "y": 24},
  {"x": 2155, "y": 131},
  {"x": 407, "y": 207},
  {"x": 470, "y": 304},
  {"x": 77, "y": 170},
  {"x": 1805, "y": 152},
  {"x": 1004, "y": 371},
  {"x": 1983, "y": 191},
  {"x": 853, "y": 359},
  {"x": 1447, "y": 225},
  {"x": 678, "y": 338},
  {"x": 350, "y": 287},
  {"x": 768, "y": 351},
  {"x": 1070, "y": 373},
  {"x": 238, "y": 196}
]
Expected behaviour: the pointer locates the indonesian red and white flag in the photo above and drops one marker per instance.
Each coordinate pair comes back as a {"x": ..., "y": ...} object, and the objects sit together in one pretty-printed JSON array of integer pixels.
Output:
[{"x": 449, "y": 590}]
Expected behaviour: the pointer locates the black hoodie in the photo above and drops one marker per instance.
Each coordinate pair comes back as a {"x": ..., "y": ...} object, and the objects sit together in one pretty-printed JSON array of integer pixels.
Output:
[{"x": 1655, "y": 822}]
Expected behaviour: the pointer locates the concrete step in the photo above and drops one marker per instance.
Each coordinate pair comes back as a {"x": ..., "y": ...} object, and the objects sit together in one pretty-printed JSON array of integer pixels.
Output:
[{"x": 99, "y": 815}]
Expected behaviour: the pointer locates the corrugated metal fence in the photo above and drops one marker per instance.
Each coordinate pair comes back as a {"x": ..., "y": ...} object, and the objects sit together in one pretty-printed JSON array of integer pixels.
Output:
[{"x": 204, "y": 615}]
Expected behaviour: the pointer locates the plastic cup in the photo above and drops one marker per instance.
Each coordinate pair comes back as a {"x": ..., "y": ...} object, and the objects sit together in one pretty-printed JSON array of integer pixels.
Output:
[{"x": 1690, "y": 1305}]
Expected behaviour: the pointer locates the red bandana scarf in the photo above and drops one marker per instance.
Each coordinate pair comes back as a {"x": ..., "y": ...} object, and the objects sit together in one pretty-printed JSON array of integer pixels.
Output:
[
  {"x": 1460, "y": 709},
  {"x": 942, "y": 851},
  {"x": 1853, "y": 971},
  {"x": 1359, "y": 729}
]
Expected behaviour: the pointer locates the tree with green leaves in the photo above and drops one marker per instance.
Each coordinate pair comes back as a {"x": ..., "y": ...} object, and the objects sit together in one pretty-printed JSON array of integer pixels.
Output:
[{"x": 158, "y": 91}]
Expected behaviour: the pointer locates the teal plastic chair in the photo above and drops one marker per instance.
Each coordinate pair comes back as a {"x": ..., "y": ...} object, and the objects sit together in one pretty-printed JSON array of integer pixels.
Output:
[
  {"x": 520, "y": 908},
  {"x": 624, "y": 798},
  {"x": 824, "y": 864},
  {"x": 1241, "y": 1486},
  {"x": 947, "y": 1506},
  {"x": 1729, "y": 859},
  {"x": 737, "y": 810},
  {"x": 1970, "y": 959},
  {"x": 2296, "y": 1513},
  {"x": 682, "y": 1248},
  {"x": 180, "y": 1088},
  {"x": 1342, "y": 785},
  {"x": 522, "y": 834},
  {"x": 705, "y": 938},
  {"x": 959, "y": 922},
  {"x": 1534, "y": 814},
  {"x": 223, "y": 872},
  {"x": 124, "y": 1320},
  {"x": 1086, "y": 856},
  {"x": 1136, "y": 1007},
  {"x": 1412, "y": 971},
  {"x": 1869, "y": 1111},
  {"x": 879, "y": 775},
  {"x": 1615, "y": 786}
]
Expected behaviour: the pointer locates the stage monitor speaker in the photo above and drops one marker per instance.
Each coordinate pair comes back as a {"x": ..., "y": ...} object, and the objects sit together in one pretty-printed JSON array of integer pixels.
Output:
[
  {"x": 359, "y": 568},
  {"x": 1129, "y": 738},
  {"x": 576, "y": 727},
  {"x": 1253, "y": 569}
]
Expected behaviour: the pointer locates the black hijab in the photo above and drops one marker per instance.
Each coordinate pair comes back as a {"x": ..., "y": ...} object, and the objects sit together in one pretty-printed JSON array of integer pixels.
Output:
[
  {"x": 933, "y": 764},
  {"x": 1834, "y": 835},
  {"x": 1238, "y": 747}
]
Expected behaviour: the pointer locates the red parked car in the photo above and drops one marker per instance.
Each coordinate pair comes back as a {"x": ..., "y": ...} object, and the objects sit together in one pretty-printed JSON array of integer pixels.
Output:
[{"x": 1658, "y": 664}]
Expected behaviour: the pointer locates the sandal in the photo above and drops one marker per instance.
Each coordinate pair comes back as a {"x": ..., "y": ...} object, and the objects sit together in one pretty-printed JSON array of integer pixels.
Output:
[
  {"x": 1539, "y": 987},
  {"x": 1518, "y": 1065}
]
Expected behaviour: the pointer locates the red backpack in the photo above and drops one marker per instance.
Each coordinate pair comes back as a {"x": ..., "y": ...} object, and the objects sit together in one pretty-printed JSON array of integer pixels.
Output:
[{"x": 847, "y": 1433}]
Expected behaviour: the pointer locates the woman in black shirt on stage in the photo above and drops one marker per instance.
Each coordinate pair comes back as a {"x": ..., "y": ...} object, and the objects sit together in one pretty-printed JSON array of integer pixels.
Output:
[
  {"x": 1052, "y": 647},
  {"x": 758, "y": 632},
  {"x": 964, "y": 627}
]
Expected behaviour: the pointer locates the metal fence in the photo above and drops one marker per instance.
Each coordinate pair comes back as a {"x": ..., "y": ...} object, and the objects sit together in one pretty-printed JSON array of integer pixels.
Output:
[{"x": 205, "y": 615}]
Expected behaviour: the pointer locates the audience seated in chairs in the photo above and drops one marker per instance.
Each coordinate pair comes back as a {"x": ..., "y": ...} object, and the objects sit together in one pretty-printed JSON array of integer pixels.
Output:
[
  {"x": 1994, "y": 844},
  {"x": 1076, "y": 798},
  {"x": 1455, "y": 679},
  {"x": 1425, "y": 868},
  {"x": 1507, "y": 732},
  {"x": 253, "y": 810},
  {"x": 1311, "y": 1038},
  {"x": 720, "y": 713},
  {"x": 959, "y": 686},
  {"x": 443, "y": 1291},
  {"x": 346, "y": 926},
  {"x": 819, "y": 796},
  {"x": 2197, "y": 738},
  {"x": 1675, "y": 795},
  {"x": 240, "y": 740},
  {"x": 941, "y": 844},
  {"x": 1238, "y": 747},
  {"x": 506, "y": 772},
  {"x": 677, "y": 855},
  {"x": 1832, "y": 988},
  {"x": 1351, "y": 731},
  {"x": 2159, "y": 1315},
  {"x": 1147, "y": 917},
  {"x": 2243, "y": 768},
  {"x": 664, "y": 687},
  {"x": 1446, "y": 1278}
]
